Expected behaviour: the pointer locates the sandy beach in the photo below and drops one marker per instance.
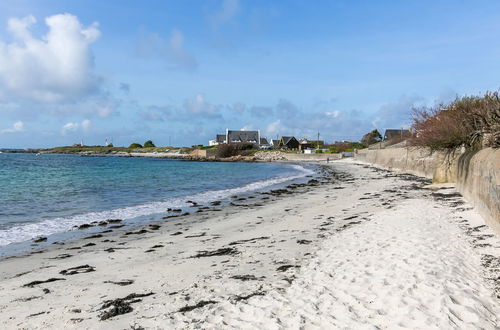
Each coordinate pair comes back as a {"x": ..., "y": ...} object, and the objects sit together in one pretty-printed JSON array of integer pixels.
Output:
[{"x": 361, "y": 248}]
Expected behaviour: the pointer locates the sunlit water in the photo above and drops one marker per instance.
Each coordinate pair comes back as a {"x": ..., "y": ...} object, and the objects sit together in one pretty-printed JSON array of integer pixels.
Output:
[{"x": 47, "y": 194}]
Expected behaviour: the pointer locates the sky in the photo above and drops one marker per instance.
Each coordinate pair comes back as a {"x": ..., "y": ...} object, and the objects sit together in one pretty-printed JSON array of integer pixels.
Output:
[{"x": 179, "y": 72}]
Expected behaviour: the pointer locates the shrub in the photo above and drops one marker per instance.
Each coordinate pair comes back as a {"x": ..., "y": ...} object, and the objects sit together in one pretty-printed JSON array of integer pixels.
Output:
[
  {"x": 135, "y": 146},
  {"x": 226, "y": 150},
  {"x": 233, "y": 149},
  {"x": 149, "y": 144},
  {"x": 469, "y": 121},
  {"x": 319, "y": 151},
  {"x": 371, "y": 138}
]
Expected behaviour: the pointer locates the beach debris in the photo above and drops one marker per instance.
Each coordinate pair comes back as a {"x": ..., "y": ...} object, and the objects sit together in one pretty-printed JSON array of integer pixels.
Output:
[
  {"x": 246, "y": 277},
  {"x": 251, "y": 240},
  {"x": 27, "y": 299},
  {"x": 218, "y": 252},
  {"x": 304, "y": 241},
  {"x": 40, "y": 239},
  {"x": 114, "y": 220},
  {"x": 157, "y": 246},
  {"x": 215, "y": 203},
  {"x": 176, "y": 233},
  {"x": 93, "y": 236},
  {"x": 21, "y": 274},
  {"x": 89, "y": 244},
  {"x": 121, "y": 283},
  {"x": 52, "y": 279},
  {"x": 36, "y": 314},
  {"x": 85, "y": 226},
  {"x": 78, "y": 270},
  {"x": 284, "y": 268},
  {"x": 248, "y": 296},
  {"x": 102, "y": 223},
  {"x": 121, "y": 306},
  {"x": 62, "y": 256},
  {"x": 192, "y": 203},
  {"x": 154, "y": 227},
  {"x": 139, "y": 232},
  {"x": 174, "y": 210},
  {"x": 200, "y": 304},
  {"x": 197, "y": 235}
]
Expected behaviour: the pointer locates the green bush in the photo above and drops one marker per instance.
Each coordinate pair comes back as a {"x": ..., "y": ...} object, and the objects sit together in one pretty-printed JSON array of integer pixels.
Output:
[
  {"x": 371, "y": 138},
  {"x": 149, "y": 144},
  {"x": 319, "y": 151},
  {"x": 135, "y": 145}
]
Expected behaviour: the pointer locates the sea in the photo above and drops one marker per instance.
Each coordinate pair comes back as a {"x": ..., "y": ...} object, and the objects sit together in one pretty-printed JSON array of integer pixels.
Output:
[{"x": 50, "y": 194}]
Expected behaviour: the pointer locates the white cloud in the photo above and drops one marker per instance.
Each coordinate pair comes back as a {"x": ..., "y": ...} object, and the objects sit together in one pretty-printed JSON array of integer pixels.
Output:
[
  {"x": 69, "y": 127},
  {"x": 56, "y": 67},
  {"x": 86, "y": 125},
  {"x": 75, "y": 126},
  {"x": 226, "y": 12},
  {"x": 247, "y": 128},
  {"x": 105, "y": 111},
  {"x": 333, "y": 114},
  {"x": 273, "y": 128},
  {"x": 18, "y": 126},
  {"x": 199, "y": 106}
]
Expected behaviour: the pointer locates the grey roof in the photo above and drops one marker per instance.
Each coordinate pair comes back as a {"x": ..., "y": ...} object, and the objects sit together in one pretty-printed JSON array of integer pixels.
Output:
[
  {"x": 220, "y": 138},
  {"x": 263, "y": 141},
  {"x": 287, "y": 139},
  {"x": 243, "y": 136},
  {"x": 275, "y": 142},
  {"x": 393, "y": 133}
]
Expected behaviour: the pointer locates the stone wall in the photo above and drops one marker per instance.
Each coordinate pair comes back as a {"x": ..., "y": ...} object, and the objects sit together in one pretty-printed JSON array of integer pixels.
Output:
[
  {"x": 479, "y": 182},
  {"x": 438, "y": 165}
]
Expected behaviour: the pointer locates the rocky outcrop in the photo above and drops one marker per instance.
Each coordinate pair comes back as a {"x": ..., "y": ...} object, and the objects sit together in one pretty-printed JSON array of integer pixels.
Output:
[{"x": 269, "y": 156}]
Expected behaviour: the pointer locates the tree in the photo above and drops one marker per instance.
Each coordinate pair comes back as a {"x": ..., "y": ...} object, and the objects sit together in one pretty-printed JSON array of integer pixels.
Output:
[
  {"x": 371, "y": 138},
  {"x": 135, "y": 146},
  {"x": 149, "y": 144}
]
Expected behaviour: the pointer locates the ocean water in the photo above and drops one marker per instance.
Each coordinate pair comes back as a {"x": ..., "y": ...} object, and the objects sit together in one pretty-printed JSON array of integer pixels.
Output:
[{"x": 48, "y": 194}]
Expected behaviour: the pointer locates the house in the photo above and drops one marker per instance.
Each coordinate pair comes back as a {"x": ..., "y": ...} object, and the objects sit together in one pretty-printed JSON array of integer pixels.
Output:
[
  {"x": 309, "y": 144},
  {"x": 219, "y": 139},
  {"x": 396, "y": 133},
  {"x": 232, "y": 136},
  {"x": 243, "y": 137},
  {"x": 264, "y": 144},
  {"x": 275, "y": 143},
  {"x": 289, "y": 142}
]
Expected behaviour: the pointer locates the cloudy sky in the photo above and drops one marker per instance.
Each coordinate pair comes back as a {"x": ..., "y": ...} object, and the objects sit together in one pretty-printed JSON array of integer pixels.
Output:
[{"x": 182, "y": 71}]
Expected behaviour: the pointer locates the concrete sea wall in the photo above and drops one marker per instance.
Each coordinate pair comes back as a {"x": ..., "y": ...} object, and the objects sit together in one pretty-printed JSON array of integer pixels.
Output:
[{"x": 476, "y": 173}]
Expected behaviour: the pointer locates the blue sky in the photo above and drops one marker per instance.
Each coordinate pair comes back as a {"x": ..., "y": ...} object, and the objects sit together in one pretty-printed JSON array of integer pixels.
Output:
[{"x": 182, "y": 71}]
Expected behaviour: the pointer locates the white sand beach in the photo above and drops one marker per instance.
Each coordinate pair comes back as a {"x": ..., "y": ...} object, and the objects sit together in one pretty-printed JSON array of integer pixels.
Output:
[{"x": 364, "y": 249}]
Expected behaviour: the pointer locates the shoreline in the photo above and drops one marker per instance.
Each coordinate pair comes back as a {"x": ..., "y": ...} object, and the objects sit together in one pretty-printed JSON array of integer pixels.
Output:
[
  {"x": 263, "y": 254},
  {"x": 171, "y": 211}
]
